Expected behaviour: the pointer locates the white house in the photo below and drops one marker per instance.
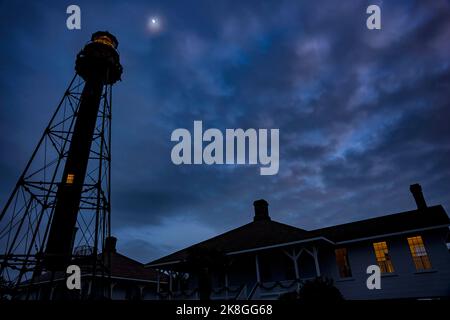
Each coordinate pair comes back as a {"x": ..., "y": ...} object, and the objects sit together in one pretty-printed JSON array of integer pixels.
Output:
[{"x": 268, "y": 258}]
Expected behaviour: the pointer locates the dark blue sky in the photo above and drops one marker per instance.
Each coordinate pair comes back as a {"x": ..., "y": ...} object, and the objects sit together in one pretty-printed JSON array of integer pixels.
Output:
[{"x": 362, "y": 114}]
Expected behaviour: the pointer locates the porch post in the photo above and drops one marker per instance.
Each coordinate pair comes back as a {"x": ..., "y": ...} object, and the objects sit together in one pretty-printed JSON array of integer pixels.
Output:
[
  {"x": 141, "y": 292},
  {"x": 295, "y": 258},
  {"x": 158, "y": 276},
  {"x": 111, "y": 289},
  {"x": 226, "y": 284},
  {"x": 52, "y": 291},
  {"x": 258, "y": 277},
  {"x": 316, "y": 261}
]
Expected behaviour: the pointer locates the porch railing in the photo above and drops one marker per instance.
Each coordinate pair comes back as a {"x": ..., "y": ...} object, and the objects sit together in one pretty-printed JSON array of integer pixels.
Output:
[{"x": 260, "y": 290}]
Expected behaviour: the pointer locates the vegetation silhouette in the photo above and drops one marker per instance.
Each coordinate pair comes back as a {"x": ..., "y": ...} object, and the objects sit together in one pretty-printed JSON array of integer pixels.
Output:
[
  {"x": 320, "y": 289},
  {"x": 203, "y": 262}
]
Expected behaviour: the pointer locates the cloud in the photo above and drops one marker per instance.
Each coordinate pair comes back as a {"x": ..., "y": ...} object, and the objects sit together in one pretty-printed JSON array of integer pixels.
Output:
[{"x": 362, "y": 114}]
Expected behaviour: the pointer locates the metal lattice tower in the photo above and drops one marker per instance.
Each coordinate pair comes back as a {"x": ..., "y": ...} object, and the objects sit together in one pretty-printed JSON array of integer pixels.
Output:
[{"x": 59, "y": 212}]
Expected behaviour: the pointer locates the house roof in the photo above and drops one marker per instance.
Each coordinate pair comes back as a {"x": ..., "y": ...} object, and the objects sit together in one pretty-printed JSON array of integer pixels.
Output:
[
  {"x": 121, "y": 267},
  {"x": 384, "y": 225},
  {"x": 251, "y": 235},
  {"x": 124, "y": 267},
  {"x": 265, "y": 233}
]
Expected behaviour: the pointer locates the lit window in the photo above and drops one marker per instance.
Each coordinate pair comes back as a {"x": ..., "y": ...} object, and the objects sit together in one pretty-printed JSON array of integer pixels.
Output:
[
  {"x": 419, "y": 253},
  {"x": 104, "y": 40},
  {"x": 383, "y": 258},
  {"x": 342, "y": 261},
  {"x": 70, "y": 178}
]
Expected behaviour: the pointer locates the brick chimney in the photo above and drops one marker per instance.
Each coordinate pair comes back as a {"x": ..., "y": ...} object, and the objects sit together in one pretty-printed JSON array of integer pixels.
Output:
[
  {"x": 416, "y": 191},
  {"x": 261, "y": 210},
  {"x": 110, "y": 244}
]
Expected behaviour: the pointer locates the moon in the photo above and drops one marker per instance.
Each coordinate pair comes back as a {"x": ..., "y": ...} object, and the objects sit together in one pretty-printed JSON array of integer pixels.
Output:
[{"x": 154, "y": 24}]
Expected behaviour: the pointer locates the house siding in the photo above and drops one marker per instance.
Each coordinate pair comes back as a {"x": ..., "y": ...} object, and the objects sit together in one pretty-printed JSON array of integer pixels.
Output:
[{"x": 405, "y": 282}]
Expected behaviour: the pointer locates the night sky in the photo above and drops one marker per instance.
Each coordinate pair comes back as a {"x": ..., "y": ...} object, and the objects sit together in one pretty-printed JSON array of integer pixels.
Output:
[{"x": 362, "y": 114}]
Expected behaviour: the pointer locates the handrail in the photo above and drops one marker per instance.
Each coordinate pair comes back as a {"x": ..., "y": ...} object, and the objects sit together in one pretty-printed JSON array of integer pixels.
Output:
[
  {"x": 226, "y": 288},
  {"x": 244, "y": 286},
  {"x": 257, "y": 284}
]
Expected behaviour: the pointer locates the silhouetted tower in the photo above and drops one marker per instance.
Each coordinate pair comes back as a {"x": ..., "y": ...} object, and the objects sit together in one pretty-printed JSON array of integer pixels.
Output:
[{"x": 59, "y": 211}]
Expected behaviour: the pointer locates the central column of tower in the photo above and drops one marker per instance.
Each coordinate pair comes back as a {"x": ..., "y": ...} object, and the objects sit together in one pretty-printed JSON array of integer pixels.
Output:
[{"x": 98, "y": 64}]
